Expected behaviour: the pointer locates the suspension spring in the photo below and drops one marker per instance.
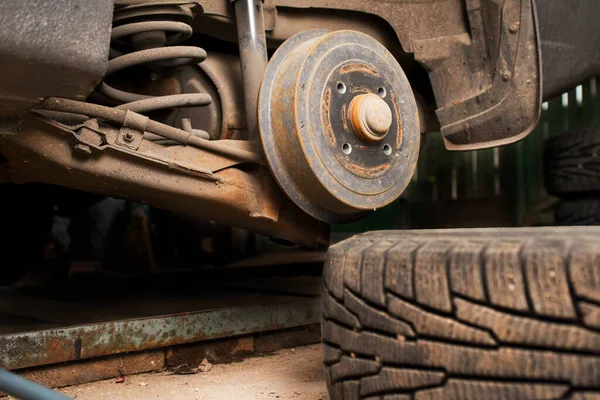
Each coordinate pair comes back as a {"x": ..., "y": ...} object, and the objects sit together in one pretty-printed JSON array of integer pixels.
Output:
[{"x": 149, "y": 34}]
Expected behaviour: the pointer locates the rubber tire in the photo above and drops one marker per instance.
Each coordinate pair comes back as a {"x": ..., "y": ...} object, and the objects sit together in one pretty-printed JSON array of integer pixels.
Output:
[
  {"x": 463, "y": 314},
  {"x": 582, "y": 212},
  {"x": 572, "y": 162}
]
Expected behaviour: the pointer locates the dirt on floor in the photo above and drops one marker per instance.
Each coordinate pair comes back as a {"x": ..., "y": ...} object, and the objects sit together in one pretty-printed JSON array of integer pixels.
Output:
[{"x": 287, "y": 374}]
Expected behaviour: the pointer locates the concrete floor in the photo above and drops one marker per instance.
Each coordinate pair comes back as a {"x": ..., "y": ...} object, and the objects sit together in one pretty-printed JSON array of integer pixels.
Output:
[{"x": 287, "y": 374}]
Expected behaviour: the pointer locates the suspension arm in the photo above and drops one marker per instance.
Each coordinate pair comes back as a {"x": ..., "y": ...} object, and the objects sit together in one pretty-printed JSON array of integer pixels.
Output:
[{"x": 40, "y": 151}]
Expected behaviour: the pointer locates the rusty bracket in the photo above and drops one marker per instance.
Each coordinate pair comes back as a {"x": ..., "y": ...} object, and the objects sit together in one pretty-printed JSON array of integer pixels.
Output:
[
  {"x": 132, "y": 131},
  {"x": 128, "y": 140},
  {"x": 86, "y": 135},
  {"x": 270, "y": 15}
]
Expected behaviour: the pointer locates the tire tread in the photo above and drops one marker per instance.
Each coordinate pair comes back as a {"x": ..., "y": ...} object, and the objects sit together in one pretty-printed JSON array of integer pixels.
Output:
[{"x": 464, "y": 314}]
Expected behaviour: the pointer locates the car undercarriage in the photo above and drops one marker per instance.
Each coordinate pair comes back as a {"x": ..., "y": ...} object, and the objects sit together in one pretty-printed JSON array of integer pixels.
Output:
[
  {"x": 175, "y": 104},
  {"x": 284, "y": 117}
]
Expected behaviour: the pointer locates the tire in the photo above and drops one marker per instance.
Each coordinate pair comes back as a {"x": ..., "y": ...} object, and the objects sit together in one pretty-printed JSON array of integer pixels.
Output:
[
  {"x": 463, "y": 314},
  {"x": 572, "y": 163},
  {"x": 583, "y": 212}
]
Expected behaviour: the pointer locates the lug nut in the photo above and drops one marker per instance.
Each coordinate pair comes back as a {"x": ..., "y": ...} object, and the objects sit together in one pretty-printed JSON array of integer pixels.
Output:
[{"x": 370, "y": 117}]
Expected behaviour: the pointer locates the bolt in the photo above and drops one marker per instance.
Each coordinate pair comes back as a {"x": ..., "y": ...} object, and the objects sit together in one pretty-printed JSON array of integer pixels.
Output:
[
  {"x": 370, "y": 117},
  {"x": 128, "y": 137},
  {"x": 506, "y": 75},
  {"x": 83, "y": 149},
  {"x": 514, "y": 28}
]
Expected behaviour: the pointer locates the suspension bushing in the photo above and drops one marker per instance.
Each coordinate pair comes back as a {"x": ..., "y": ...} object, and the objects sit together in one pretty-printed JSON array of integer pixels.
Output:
[{"x": 339, "y": 124}]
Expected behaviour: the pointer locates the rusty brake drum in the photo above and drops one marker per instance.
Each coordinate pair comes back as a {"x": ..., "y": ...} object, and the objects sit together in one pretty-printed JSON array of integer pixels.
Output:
[{"x": 338, "y": 123}]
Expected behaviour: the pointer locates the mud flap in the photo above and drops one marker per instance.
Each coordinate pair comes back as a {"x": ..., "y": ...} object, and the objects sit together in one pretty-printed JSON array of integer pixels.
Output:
[{"x": 488, "y": 83}]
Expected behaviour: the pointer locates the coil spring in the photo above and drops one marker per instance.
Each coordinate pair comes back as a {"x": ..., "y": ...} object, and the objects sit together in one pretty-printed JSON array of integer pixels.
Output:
[{"x": 148, "y": 34}]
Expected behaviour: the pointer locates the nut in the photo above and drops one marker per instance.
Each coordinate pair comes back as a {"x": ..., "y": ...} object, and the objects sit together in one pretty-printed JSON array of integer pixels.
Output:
[{"x": 370, "y": 116}]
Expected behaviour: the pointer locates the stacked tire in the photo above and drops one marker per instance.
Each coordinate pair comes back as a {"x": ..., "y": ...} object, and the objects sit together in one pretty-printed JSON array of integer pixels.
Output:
[{"x": 572, "y": 173}]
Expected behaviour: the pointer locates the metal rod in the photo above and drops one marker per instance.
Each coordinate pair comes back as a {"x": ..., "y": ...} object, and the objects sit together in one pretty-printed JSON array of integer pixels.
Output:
[
  {"x": 253, "y": 56},
  {"x": 168, "y": 132},
  {"x": 23, "y": 389}
]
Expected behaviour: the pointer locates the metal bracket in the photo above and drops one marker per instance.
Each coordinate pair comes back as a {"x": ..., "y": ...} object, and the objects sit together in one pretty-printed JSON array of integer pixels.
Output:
[
  {"x": 132, "y": 132},
  {"x": 127, "y": 140},
  {"x": 89, "y": 135}
]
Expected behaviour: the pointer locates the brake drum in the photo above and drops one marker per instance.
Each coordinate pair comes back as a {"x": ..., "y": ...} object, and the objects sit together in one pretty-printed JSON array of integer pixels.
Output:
[{"x": 338, "y": 123}]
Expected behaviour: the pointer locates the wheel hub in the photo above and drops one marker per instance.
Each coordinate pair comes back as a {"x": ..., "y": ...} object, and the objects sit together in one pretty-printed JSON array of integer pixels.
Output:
[
  {"x": 370, "y": 117},
  {"x": 339, "y": 124}
]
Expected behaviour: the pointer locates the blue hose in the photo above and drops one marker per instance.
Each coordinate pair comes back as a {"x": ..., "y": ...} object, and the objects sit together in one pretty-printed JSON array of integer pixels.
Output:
[{"x": 23, "y": 389}]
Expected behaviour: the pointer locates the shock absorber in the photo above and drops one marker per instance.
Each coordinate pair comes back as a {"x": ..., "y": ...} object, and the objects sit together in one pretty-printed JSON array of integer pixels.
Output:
[{"x": 149, "y": 34}]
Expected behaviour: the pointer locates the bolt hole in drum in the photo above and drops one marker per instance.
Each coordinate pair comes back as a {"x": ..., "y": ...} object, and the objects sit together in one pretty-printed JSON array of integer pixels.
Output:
[{"x": 338, "y": 123}]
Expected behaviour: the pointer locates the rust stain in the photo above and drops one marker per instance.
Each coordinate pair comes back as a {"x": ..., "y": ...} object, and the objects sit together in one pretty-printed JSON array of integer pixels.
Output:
[
  {"x": 328, "y": 128},
  {"x": 367, "y": 171},
  {"x": 357, "y": 89},
  {"x": 345, "y": 117},
  {"x": 398, "y": 120},
  {"x": 358, "y": 67}
]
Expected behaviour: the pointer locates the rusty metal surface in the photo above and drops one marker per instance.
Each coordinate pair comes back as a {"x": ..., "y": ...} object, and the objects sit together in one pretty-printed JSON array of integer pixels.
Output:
[
  {"x": 314, "y": 154},
  {"x": 224, "y": 350},
  {"x": 190, "y": 181},
  {"x": 482, "y": 58},
  {"x": 51, "y": 346},
  {"x": 486, "y": 79},
  {"x": 476, "y": 62},
  {"x": 224, "y": 70}
]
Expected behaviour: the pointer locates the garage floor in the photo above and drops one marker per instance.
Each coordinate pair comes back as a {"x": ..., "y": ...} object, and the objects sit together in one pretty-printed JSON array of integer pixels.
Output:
[{"x": 287, "y": 374}]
